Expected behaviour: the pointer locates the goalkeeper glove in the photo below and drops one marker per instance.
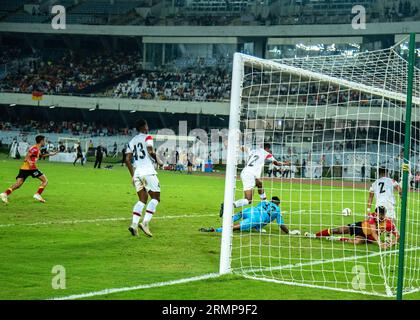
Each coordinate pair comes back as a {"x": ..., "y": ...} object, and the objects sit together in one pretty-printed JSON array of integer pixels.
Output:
[{"x": 294, "y": 232}]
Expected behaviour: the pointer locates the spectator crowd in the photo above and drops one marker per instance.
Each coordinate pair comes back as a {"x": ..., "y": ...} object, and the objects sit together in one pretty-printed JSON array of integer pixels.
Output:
[
  {"x": 70, "y": 72},
  {"x": 65, "y": 127},
  {"x": 120, "y": 75},
  {"x": 212, "y": 85},
  {"x": 8, "y": 54}
]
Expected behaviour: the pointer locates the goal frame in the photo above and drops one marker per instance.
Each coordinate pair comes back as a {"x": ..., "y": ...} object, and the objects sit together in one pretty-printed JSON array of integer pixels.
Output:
[
  {"x": 239, "y": 62},
  {"x": 231, "y": 162}
]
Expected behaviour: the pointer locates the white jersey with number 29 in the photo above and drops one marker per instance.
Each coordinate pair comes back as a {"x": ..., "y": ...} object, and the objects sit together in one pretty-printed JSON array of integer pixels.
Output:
[
  {"x": 256, "y": 160},
  {"x": 143, "y": 163},
  {"x": 383, "y": 189}
]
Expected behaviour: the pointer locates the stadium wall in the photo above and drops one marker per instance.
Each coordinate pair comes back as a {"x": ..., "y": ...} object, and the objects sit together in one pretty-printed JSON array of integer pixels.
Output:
[
  {"x": 218, "y": 31},
  {"x": 193, "y": 107},
  {"x": 206, "y": 108}
]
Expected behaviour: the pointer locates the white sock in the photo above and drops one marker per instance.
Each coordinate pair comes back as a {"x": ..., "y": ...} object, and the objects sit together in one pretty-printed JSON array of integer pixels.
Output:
[
  {"x": 241, "y": 203},
  {"x": 138, "y": 207},
  {"x": 137, "y": 210},
  {"x": 147, "y": 217},
  {"x": 150, "y": 210},
  {"x": 263, "y": 196}
]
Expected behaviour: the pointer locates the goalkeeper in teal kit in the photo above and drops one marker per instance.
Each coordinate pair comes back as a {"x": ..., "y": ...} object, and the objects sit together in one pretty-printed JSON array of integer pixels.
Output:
[{"x": 257, "y": 218}]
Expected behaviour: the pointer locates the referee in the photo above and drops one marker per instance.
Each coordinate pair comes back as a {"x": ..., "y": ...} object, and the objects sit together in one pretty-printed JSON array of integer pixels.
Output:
[
  {"x": 99, "y": 153},
  {"x": 79, "y": 154}
]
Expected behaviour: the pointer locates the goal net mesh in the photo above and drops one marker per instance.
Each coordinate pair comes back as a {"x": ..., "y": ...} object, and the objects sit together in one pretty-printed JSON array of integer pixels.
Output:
[{"x": 337, "y": 120}]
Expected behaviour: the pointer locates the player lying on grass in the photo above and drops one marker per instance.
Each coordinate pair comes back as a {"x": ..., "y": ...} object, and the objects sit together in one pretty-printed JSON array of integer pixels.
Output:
[
  {"x": 367, "y": 231},
  {"x": 140, "y": 151},
  {"x": 29, "y": 169},
  {"x": 251, "y": 174},
  {"x": 257, "y": 218}
]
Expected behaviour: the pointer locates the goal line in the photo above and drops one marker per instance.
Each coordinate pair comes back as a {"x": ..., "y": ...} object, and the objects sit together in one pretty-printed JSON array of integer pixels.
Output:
[
  {"x": 319, "y": 262},
  {"x": 322, "y": 262}
]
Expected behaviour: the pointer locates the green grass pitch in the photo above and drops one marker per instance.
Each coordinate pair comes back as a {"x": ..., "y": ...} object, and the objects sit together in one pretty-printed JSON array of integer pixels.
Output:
[{"x": 83, "y": 227}]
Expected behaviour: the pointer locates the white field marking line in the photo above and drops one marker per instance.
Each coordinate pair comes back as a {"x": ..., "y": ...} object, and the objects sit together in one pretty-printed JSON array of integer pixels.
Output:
[
  {"x": 411, "y": 290},
  {"x": 128, "y": 184},
  {"x": 122, "y": 219},
  {"x": 119, "y": 219},
  {"x": 325, "y": 188},
  {"x": 315, "y": 286},
  {"x": 317, "y": 262},
  {"x": 186, "y": 216},
  {"x": 100, "y": 220},
  {"x": 139, "y": 287}
]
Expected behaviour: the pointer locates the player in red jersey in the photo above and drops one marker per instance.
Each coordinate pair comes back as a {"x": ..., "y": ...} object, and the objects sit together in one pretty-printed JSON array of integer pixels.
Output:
[
  {"x": 29, "y": 169},
  {"x": 367, "y": 231}
]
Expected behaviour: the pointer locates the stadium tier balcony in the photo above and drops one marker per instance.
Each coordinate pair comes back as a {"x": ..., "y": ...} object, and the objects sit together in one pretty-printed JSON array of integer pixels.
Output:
[
  {"x": 76, "y": 18},
  {"x": 209, "y": 6},
  {"x": 106, "y": 7}
]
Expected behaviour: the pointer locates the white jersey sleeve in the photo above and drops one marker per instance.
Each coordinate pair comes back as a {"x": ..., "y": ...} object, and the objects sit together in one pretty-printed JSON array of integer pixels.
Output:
[{"x": 143, "y": 163}]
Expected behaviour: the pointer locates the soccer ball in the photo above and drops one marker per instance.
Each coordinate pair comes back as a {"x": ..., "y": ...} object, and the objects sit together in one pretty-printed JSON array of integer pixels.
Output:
[{"x": 346, "y": 212}]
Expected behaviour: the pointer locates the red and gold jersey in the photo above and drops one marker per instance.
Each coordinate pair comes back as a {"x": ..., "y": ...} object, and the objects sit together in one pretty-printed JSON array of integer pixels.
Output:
[
  {"x": 386, "y": 225},
  {"x": 368, "y": 226},
  {"x": 33, "y": 154}
]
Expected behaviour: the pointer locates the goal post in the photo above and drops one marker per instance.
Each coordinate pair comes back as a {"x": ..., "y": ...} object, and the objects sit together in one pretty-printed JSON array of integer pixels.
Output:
[
  {"x": 231, "y": 162},
  {"x": 406, "y": 164},
  {"x": 337, "y": 121}
]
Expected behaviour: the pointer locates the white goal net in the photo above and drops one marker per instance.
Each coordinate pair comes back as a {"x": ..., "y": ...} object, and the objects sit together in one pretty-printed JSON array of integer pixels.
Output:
[{"x": 337, "y": 122}]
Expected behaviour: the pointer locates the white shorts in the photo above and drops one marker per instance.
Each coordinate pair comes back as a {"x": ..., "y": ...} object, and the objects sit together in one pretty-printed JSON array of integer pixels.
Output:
[
  {"x": 390, "y": 209},
  {"x": 248, "y": 181},
  {"x": 149, "y": 182}
]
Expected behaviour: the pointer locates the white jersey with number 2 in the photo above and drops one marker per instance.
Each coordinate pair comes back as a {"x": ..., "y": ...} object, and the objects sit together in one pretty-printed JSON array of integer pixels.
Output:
[
  {"x": 255, "y": 162},
  {"x": 143, "y": 163},
  {"x": 383, "y": 189}
]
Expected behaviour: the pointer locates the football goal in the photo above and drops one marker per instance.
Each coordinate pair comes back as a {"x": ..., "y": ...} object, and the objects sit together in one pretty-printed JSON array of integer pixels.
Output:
[{"x": 336, "y": 122}]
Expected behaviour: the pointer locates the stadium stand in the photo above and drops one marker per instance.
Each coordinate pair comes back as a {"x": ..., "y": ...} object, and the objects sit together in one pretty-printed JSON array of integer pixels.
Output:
[
  {"x": 70, "y": 73},
  {"x": 121, "y": 75},
  {"x": 177, "y": 86},
  {"x": 213, "y": 6},
  {"x": 64, "y": 127},
  {"x": 338, "y": 149}
]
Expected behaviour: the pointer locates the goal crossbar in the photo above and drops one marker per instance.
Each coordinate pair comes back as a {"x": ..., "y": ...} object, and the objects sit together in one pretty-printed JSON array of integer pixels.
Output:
[{"x": 251, "y": 61}]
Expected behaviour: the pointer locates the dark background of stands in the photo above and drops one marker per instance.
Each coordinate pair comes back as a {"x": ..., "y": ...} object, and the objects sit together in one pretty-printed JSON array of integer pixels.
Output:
[{"x": 112, "y": 118}]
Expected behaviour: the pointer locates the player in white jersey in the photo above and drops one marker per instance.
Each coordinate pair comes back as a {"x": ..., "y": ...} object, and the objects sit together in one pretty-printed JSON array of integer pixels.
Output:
[
  {"x": 251, "y": 174},
  {"x": 383, "y": 191},
  {"x": 140, "y": 160}
]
